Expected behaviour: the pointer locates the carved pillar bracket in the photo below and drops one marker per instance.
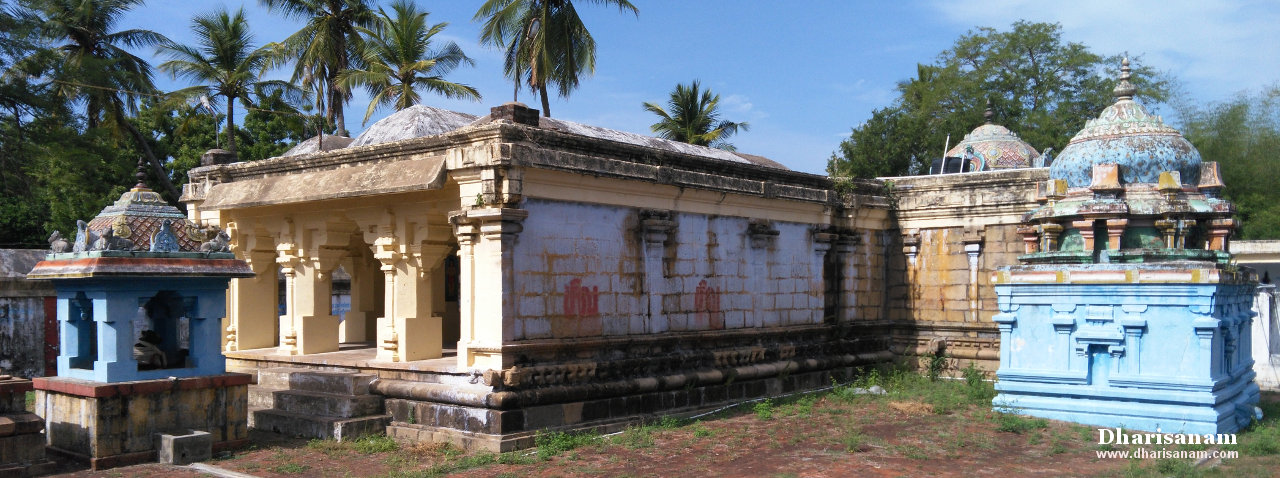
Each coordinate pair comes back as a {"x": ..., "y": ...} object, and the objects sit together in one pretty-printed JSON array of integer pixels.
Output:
[
  {"x": 1049, "y": 236},
  {"x": 911, "y": 245},
  {"x": 762, "y": 233},
  {"x": 1085, "y": 227}
]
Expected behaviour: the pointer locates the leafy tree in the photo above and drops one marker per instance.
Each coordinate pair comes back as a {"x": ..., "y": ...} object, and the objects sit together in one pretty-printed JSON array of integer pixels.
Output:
[
  {"x": 226, "y": 61},
  {"x": 694, "y": 118},
  {"x": 324, "y": 48},
  {"x": 274, "y": 126},
  {"x": 545, "y": 42},
  {"x": 89, "y": 64},
  {"x": 1041, "y": 88},
  {"x": 399, "y": 59},
  {"x": 1242, "y": 135}
]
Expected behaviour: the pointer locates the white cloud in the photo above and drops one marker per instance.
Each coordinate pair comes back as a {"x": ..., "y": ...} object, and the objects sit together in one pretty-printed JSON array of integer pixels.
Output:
[{"x": 1216, "y": 48}]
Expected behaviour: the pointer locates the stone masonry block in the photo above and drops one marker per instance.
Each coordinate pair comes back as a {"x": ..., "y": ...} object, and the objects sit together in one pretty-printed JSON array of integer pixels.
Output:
[{"x": 185, "y": 449}]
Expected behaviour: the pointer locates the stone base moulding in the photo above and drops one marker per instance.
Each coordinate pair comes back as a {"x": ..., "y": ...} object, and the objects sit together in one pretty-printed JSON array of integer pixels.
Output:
[{"x": 110, "y": 425}]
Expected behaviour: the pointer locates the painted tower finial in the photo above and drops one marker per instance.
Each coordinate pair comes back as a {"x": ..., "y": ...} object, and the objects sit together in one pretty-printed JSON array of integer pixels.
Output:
[
  {"x": 988, "y": 114},
  {"x": 141, "y": 174},
  {"x": 1124, "y": 90}
]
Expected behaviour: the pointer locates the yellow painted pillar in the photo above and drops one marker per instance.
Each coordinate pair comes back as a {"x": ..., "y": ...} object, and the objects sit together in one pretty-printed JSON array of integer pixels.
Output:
[{"x": 489, "y": 234}]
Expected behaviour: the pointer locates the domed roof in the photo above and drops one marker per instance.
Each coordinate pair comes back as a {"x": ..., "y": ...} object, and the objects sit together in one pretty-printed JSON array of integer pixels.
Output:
[
  {"x": 998, "y": 147},
  {"x": 1127, "y": 135},
  {"x": 413, "y": 122}
]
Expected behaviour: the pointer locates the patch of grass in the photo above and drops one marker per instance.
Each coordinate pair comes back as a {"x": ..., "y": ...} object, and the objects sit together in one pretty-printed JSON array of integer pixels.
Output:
[
  {"x": 555, "y": 443},
  {"x": 290, "y": 468},
  {"x": 370, "y": 444},
  {"x": 911, "y": 451},
  {"x": 635, "y": 437},
  {"x": 328, "y": 447},
  {"x": 1262, "y": 438},
  {"x": 701, "y": 431},
  {"x": 764, "y": 410},
  {"x": 31, "y": 401},
  {"x": 1014, "y": 423},
  {"x": 854, "y": 440}
]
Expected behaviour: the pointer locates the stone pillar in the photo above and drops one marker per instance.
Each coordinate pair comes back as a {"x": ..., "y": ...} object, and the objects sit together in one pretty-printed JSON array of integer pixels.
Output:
[
  {"x": 847, "y": 294},
  {"x": 288, "y": 261},
  {"x": 316, "y": 327},
  {"x": 1030, "y": 239},
  {"x": 418, "y": 326},
  {"x": 655, "y": 225},
  {"x": 1086, "y": 232},
  {"x": 1115, "y": 232},
  {"x": 254, "y": 311},
  {"x": 822, "y": 243},
  {"x": 1049, "y": 236},
  {"x": 1006, "y": 321},
  {"x": 761, "y": 235},
  {"x": 388, "y": 339},
  {"x": 1220, "y": 234},
  {"x": 973, "y": 249},
  {"x": 486, "y": 324},
  {"x": 1264, "y": 335}
]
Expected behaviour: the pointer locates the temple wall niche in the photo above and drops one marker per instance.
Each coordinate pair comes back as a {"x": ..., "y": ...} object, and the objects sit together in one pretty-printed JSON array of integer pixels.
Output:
[{"x": 586, "y": 270}]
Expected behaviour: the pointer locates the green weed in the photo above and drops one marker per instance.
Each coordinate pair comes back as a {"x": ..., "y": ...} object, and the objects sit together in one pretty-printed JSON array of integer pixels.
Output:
[
  {"x": 764, "y": 410},
  {"x": 290, "y": 468},
  {"x": 555, "y": 443},
  {"x": 1014, "y": 423},
  {"x": 369, "y": 444}
]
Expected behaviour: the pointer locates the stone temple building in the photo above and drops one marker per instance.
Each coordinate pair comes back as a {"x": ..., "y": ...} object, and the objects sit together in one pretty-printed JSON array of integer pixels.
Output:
[{"x": 510, "y": 273}]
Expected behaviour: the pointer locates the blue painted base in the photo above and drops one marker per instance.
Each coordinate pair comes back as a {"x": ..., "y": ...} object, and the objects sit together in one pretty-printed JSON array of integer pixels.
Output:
[
  {"x": 1226, "y": 411},
  {"x": 1144, "y": 347}
]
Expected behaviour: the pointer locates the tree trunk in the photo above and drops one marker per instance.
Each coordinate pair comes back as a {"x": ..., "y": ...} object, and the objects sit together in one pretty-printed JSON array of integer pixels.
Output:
[
  {"x": 339, "y": 120},
  {"x": 231, "y": 124},
  {"x": 546, "y": 105}
]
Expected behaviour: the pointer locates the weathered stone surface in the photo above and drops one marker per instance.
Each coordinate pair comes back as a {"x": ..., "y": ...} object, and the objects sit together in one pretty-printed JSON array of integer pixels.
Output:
[{"x": 184, "y": 449}]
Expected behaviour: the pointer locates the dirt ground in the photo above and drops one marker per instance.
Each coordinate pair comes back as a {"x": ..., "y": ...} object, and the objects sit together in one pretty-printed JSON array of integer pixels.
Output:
[{"x": 920, "y": 428}]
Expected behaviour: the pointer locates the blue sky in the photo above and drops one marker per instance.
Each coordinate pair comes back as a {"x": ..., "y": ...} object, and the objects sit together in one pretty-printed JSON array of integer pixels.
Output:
[{"x": 802, "y": 72}]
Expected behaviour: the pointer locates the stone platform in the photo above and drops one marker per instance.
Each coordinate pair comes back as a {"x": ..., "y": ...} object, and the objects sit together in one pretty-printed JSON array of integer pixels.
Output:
[
  {"x": 21, "y": 443},
  {"x": 116, "y": 424}
]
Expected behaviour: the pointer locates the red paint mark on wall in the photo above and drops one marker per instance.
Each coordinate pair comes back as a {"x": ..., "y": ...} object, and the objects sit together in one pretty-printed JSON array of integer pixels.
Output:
[
  {"x": 580, "y": 301},
  {"x": 706, "y": 303}
]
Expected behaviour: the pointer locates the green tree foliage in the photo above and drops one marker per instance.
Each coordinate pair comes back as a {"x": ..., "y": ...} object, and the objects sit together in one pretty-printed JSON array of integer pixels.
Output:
[
  {"x": 1041, "y": 88},
  {"x": 226, "y": 61},
  {"x": 328, "y": 45},
  {"x": 86, "y": 62},
  {"x": 273, "y": 126},
  {"x": 546, "y": 42},
  {"x": 693, "y": 116},
  {"x": 399, "y": 60},
  {"x": 1243, "y": 135}
]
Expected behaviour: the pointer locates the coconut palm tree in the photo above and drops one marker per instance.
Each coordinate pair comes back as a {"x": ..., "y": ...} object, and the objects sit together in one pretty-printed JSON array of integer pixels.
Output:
[
  {"x": 226, "y": 61},
  {"x": 399, "y": 59},
  {"x": 92, "y": 66},
  {"x": 545, "y": 42},
  {"x": 326, "y": 46},
  {"x": 694, "y": 117}
]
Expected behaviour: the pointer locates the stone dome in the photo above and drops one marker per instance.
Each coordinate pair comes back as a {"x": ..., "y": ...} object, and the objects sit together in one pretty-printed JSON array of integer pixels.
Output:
[
  {"x": 1127, "y": 135},
  {"x": 413, "y": 122},
  {"x": 998, "y": 147}
]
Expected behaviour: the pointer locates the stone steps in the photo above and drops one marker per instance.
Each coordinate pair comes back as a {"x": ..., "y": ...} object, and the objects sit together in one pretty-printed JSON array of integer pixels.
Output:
[
  {"x": 316, "y": 404},
  {"x": 311, "y": 426}
]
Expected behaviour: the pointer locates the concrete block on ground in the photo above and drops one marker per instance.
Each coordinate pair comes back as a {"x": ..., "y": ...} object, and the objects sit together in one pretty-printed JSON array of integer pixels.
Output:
[{"x": 184, "y": 449}]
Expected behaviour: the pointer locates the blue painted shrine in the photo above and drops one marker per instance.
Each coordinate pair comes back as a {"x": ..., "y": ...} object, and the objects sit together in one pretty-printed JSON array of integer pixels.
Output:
[
  {"x": 1125, "y": 311},
  {"x": 136, "y": 300}
]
